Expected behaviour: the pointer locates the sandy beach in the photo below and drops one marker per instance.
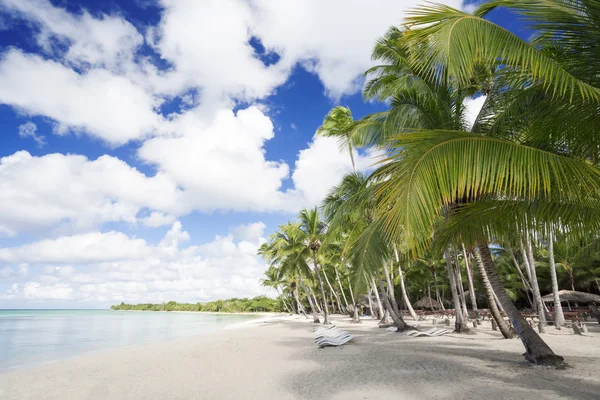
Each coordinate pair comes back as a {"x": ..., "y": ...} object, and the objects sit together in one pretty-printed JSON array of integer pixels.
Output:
[{"x": 277, "y": 359}]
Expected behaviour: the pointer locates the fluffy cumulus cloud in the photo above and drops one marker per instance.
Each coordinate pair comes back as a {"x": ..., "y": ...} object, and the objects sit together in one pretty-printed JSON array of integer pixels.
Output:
[
  {"x": 104, "y": 77},
  {"x": 112, "y": 267},
  {"x": 75, "y": 193}
]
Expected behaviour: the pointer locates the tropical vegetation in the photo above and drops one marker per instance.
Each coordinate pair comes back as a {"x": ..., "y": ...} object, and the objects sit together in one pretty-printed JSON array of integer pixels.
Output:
[
  {"x": 255, "y": 304},
  {"x": 505, "y": 207}
]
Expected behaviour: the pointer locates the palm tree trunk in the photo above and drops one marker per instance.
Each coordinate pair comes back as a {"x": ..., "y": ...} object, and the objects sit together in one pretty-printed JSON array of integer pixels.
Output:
[
  {"x": 390, "y": 288},
  {"x": 341, "y": 288},
  {"x": 525, "y": 283},
  {"x": 314, "y": 297},
  {"x": 437, "y": 288},
  {"x": 299, "y": 305},
  {"x": 335, "y": 294},
  {"x": 283, "y": 300},
  {"x": 317, "y": 271},
  {"x": 371, "y": 303},
  {"x": 571, "y": 278},
  {"x": 489, "y": 291},
  {"x": 559, "y": 317},
  {"x": 398, "y": 321},
  {"x": 536, "y": 350},
  {"x": 460, "y": 325},
  {"x": 380, "y": 311},
  {"x": 351, "y": 291},
  {"x": 405, "y": 299},
  {"x": 498, "y": 303},
  {"x": 528, "y": 271},
  {"x": 534, "y": 282},
  {"x": 460, "y": 286},
  {"x": 470, "y": 279},
  {"x": 310, "y": 302}
]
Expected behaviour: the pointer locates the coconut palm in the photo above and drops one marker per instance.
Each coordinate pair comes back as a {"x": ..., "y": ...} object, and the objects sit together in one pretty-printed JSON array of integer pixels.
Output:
[
  {"x": 274, "y": 279},
  {"x": 313, "y": 230},
  {"x": 338, "y": 123}
]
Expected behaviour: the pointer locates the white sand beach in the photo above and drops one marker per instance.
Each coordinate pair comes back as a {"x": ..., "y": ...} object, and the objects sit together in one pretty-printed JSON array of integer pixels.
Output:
[{"x": 277, "y": 359}]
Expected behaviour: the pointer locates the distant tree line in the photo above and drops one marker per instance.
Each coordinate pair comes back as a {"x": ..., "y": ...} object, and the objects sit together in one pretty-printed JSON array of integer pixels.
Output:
[{"x": 255, "y": 304}]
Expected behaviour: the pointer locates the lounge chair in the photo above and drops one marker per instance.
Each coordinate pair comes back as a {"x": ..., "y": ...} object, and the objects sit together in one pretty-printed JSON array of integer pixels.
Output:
[
  {"x": 330, "y": 342},
  {"x": 430, "y": 333}
]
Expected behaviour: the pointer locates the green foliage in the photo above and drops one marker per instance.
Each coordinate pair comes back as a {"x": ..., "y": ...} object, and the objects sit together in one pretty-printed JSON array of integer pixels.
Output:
[{"x": 235, "y": 305}]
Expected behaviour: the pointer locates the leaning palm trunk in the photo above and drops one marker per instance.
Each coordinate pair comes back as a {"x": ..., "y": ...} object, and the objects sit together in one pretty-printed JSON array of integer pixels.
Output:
[
  {"x": 536, "y": 350},
  {"x": 335, "y": 294},
  {"x": 437, "y": 288},
  {"x": 460, "y": 287},
  {"x": 528, "y": 271},
  {"x": 405, "y": 299},
  {"x": 285, "y": 304},
  {"x": 526, "y": 284},
  {"x": 537, "y": 296},
  {"x": 470, "y": 279},
  {"x": 371, "y": 303},
  {"x": 380, "y": 311},
  {"x": 299, "y": 305},
  {"x": 489, "y": 291},
  {"x": 310, "y": 302},
  {"x": 314, "y": 297},
  {"x": 398, "y": 321},
  {"x": 317, "y": 272},
  {"x": 390, "y": 288},
  {"x": 498, "y": 303},
  {"x": 460, "y": 325},
  {"x": 559, "y": 317},
  {"x": 341, "y": 288}
]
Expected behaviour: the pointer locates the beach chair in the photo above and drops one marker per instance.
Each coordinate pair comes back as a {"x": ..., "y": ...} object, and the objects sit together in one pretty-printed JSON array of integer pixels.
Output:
[
  {"x": 331, "y": 336},
  {"x": 427, "y": 332},
  {"x": 430, "y": 333},
  {"x": 335, "y": 343}
]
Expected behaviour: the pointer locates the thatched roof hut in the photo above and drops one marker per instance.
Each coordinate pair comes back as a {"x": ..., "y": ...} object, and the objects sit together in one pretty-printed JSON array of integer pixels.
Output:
[
  {"x": 427, "y": 303},
  {"x": 570, "y": 296}
]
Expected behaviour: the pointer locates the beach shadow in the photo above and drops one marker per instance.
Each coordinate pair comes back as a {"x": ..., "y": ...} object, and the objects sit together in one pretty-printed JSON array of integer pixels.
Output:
[{"x": 426, "y": 368}]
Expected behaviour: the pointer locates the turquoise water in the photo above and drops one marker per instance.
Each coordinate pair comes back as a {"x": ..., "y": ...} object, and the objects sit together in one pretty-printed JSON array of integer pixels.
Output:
[{"x": 33, "y": 337}]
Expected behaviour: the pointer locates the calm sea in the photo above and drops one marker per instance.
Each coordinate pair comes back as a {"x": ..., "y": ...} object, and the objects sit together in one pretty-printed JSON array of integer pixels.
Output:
[{"x": 32, "y": 337}]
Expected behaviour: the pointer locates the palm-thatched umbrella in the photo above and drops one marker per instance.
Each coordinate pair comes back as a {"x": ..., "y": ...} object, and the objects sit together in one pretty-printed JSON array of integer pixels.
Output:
[
  {"x": 428, "y": 303},
  {"x": 569, "y": 296}
]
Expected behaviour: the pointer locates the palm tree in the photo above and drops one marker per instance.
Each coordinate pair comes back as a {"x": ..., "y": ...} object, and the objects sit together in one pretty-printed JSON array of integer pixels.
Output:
[
  {"x": 274, "y": 279},
  {"x": 339, "y": 123},
  {"x": 313, "y": 231},
  {"x": 289, "y": 250}
]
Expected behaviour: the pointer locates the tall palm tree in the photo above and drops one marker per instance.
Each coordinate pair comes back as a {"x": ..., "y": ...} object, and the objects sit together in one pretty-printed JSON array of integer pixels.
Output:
[
  {"x": 274, "y": 279},
  {"x": 313, "y": 231},
  {"x": 339, "y": 123}
]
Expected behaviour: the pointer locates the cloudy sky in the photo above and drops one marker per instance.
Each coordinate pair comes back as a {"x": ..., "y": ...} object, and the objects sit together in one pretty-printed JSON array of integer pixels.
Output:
[{"x": 148, "y": 147}]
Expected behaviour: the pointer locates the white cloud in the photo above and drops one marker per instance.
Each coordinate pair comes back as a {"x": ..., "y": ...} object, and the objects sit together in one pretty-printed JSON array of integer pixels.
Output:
[
  {"x": 156, "y": 219},
  {"x": 220, "y": 161},
  {"x": 333, "y": 38},
  {"x": 120, "y": 268},
  {"x": 321, "y": 166},
  {"x": 28, "y": 130},
  {"x": 102, "y": 104},
  {"x": 105, "y": 41},
  {"x": 76, "y": 193},
  {"x": 250, "y": 232},
  {"x": 84, "y": 248}
]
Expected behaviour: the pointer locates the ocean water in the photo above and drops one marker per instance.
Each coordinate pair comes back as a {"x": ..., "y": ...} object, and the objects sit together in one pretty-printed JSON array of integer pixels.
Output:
[{"x": 33, "y": 337}]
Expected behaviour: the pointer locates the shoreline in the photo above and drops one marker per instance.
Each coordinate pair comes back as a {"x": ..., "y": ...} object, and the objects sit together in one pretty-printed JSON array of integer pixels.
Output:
[
  {"x": 275, "y": 357},
  {"x": 258, "y": 318}
]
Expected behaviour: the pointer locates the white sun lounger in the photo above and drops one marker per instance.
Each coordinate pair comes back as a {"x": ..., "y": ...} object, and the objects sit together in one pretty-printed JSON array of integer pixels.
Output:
[
  {"x": 329, "y": 342},
  {"x": 427, "y": 332},
  {"x": 436, "y": 332}
]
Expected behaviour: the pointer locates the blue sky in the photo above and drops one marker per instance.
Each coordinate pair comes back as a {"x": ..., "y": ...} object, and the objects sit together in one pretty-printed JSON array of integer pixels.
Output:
[{"x": 148, "y": 147}]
